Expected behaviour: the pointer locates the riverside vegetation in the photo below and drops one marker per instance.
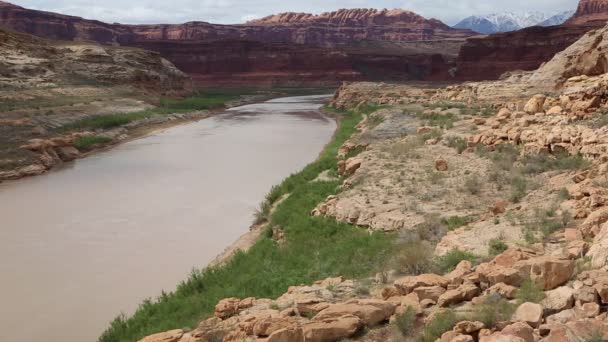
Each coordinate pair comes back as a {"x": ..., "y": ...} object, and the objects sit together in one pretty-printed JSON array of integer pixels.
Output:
[{"x": 314, "y": 248}]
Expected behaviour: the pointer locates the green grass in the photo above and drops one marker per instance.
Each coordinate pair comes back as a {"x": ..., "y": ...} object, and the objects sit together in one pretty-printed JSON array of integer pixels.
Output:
[
  {"x": 529, "y": 292},
  {"x": 86, "y": 142},
  {"x": 405, "y": 322},
  {"x": 455, "y": 222},
  {"x": 206, "y": 100},
  {"x": 496, "y": 247},
  {"x": 441, "y": 323},
  {"x": 314, "y": 248},
  {"x": 448, "y": 262}
]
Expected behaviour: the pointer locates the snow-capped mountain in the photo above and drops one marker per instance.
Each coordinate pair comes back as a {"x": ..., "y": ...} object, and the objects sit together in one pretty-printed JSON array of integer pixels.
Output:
[
  {"x": 558, "y": 19},
  {"x": 510, "y": 21}
]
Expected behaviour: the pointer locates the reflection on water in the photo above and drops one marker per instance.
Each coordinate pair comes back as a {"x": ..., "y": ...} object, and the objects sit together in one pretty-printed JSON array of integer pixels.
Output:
[{"x": 94, "y": 238}]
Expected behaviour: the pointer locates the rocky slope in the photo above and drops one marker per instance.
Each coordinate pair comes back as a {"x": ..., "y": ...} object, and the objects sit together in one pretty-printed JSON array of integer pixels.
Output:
[
  {"x": 489, "y": 57},
  {"x": 46, "y": 84},
  {"x": 512, "y": 194},
  {"x": 342, "y": 45}
]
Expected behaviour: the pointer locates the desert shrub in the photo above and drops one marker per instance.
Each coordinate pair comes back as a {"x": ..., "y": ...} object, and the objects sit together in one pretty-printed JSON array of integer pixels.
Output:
[
  {"x": 496, "y": 247},
  {"x": 448, "y": 262},
  {"x": 434, "y": 134},
  {"x": 539, "y": 163},
  {"x": 405, "y": 321},
  {"x": 413, "y": 258},
  {"x": 432, "y": 229},
  {"x": 519, "y": 190},
  {"x": 563, "y": 194},
  {"x": 441, "y": 323},
  {"x": 547, "y": 221},
  {"x": 440, "y": 120},
  {"x": 457, "y": 143},
  {"x": 494, "y": 309},
  {"x": 472, "y": 184},
  {"x": 455, "y": 222},
  {"x": 529, "y": 292}
]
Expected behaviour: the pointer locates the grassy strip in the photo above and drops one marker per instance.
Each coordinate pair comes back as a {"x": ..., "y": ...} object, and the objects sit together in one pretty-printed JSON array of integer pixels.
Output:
[
  {"x": 86, "y": 142},
  {"x": 202, "y": 101},
  {"x": 314, "y": 248}
]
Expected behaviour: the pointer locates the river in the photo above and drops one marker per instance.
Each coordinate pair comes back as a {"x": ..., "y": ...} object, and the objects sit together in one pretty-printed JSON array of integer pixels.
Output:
[{"x": 94, "y": 238}]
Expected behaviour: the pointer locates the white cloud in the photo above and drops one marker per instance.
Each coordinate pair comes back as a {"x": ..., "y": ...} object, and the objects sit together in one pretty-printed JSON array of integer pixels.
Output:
[{"x": 238, "y": 11}]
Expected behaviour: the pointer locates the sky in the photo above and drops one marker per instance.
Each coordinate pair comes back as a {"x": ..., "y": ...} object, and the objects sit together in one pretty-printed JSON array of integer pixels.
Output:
[{"x": 239, "y": 11}]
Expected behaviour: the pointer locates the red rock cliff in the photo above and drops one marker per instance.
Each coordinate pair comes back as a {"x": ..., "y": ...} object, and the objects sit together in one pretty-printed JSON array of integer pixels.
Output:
[
  {"x": 590, "y": 10},
  {"x": 329, "y": 45}
]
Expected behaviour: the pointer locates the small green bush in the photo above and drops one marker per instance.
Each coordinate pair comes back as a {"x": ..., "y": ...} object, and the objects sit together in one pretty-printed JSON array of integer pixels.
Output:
[
  {"x": 539, "y": 163},
  {"x": 405, "y": 321},
  {"x": 89, "y": 141},
  {"x": 473, "y": 185},
  {"x": 441, "y": 323},
  {"x": 494, "y": 309},
  {"x": 529, "y": 292},
  {"x": 455, "y": 222},
  {"x": 448, "y": 262},
  {"x": 496, "y": 247},
  {"x": 457, "y": 143}
]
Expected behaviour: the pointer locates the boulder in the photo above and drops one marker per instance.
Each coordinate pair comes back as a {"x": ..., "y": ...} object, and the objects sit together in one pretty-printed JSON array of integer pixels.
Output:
[
  {"x": 521, "y": 330},
  {"x": 370, "y": 312},
  {"x": 576, "y": 331},
  {"x": 268, "y": 325},
  {"x": 429, "y": 292},
  {"x": 547, "y": 272},
  {"x": 407, "y": 284},
  {"x": 463, "y": 293},
  {"x": 227, "y": 307},
  {"x": 557, "y": 300},
  {"x": 468, "y": 327},
  {"x": 585, "y": 294},
  {"x": 530, "y": 313},
  {"x": 287, "y": 335},
  {"x": 504, "y": 290},
  {"x": 463, "y": 268},
  {"x": 168, "y": 336},
  {"x": 351, "y": 166},
  {"x": 599, "y": 250},
  {"x": 441, "y": 164},
  {"x": 555, "y": 110},
  {"x": 535, "y": 104},
  {"x": 331, "y": 329}
]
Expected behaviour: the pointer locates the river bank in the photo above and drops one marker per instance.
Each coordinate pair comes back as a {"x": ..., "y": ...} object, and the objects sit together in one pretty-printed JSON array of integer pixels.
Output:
[{"x": 289, "y": 248}]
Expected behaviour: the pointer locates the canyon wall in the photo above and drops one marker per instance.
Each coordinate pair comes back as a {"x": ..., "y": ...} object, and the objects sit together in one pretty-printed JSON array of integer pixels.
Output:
[{"x": 357, "y": 44}]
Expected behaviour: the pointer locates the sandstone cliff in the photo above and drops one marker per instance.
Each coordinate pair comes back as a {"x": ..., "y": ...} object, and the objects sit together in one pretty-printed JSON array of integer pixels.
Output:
[
  {"x": 342, "y": 45},
  {"x": 31, "y": 62},
  {"x": 588, "y": 11}
]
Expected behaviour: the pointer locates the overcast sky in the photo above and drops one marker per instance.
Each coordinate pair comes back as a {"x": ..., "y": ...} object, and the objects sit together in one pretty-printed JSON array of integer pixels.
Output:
[{"x": 238, "y": 11}]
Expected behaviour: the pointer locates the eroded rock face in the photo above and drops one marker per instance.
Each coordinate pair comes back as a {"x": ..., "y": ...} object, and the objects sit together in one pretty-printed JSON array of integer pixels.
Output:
[
  {"x": 29, "y": 62},
  {"x": 311, "y": 49},
  {"x": 590, "y": 10}
]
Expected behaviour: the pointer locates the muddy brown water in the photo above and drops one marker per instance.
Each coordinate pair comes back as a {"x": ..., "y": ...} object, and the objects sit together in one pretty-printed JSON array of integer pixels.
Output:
[{"x": 83, "y": 243}]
